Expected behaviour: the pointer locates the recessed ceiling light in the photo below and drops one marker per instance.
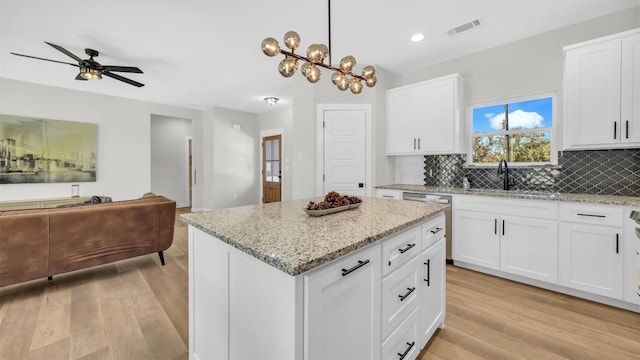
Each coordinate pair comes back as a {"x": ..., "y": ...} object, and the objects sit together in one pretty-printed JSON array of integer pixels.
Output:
[
  {"x": 417, "y": 37},
  {"x": 271, "y": 100}
]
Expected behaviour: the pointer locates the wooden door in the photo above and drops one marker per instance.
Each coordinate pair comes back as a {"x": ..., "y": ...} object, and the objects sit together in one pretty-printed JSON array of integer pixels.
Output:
[{"x": 271, "y": 168}]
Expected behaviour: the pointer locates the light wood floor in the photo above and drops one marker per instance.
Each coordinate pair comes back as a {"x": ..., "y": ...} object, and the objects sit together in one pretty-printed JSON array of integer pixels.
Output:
[{"x": 137, "y": 309}]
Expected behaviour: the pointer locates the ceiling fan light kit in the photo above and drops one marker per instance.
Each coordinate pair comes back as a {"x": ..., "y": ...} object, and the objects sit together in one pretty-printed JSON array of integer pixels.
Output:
[
  {"x": 343, "y": 76},
  {"x": 91, "y": 69}
]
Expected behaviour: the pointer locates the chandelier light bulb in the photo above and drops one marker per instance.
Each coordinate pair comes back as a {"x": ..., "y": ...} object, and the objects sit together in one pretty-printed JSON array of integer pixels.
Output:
[
  {"x": 371, "y": 82},
  {"x": 304, "y": 69},
  {"x": 337, "y": 77},
  {"x": 315, "y": 53},
  {"x": 347, "y": 63},
  {"x": 343, "y": 83},
  {"x": 288, "y": 66},
  {"x": 313, "y": 74},
  {"x": 368, "y": 72},
  {"x": 355, "y": 86},
  {"x": 292, "y": 40},
  {"x": 270, "y": 46}
]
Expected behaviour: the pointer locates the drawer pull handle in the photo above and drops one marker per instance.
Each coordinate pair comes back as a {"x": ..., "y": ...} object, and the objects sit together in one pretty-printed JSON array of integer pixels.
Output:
[
  {"x": 409, "y": 291},
  {"x": 428, "y": 279},
  {"x": 361, "y": 263},
  {"x": 592, "y": 215},
  {"x": 404, "y": 354},
  {"x": 388, "y": 196},
  {"x": 409, "y": 247},
  {"x": 436, "y": 230}
]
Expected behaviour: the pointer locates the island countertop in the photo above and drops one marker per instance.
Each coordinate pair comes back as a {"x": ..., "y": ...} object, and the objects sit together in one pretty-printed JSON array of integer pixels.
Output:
[{"x": 284, "y": 236}]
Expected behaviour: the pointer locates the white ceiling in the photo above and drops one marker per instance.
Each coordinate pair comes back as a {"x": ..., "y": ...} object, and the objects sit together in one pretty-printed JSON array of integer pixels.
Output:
[{"x": 204, "y": 53}]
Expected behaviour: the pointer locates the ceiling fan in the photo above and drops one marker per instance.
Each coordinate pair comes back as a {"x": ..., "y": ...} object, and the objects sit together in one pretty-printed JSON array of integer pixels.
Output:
[{"x": 91, "y": 69}]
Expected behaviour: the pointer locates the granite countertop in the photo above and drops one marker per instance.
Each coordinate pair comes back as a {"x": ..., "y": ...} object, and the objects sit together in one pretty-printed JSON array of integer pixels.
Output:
[
  {"x": 284, "y": 236},
  {"x": 522, "y": 194}
]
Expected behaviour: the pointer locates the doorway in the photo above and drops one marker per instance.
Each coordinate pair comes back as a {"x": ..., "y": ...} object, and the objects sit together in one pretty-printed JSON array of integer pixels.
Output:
[
  {"x": 272, "y": 168},
  {"x": 344, "y": 149}
]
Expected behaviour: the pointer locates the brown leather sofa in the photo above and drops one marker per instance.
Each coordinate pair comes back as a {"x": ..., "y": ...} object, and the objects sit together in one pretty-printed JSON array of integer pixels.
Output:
[{"x": 45, "y": 242}]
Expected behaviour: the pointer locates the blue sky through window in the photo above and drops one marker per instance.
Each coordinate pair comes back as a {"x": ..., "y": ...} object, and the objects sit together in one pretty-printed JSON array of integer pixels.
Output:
[{"x": 529, "y": 114}]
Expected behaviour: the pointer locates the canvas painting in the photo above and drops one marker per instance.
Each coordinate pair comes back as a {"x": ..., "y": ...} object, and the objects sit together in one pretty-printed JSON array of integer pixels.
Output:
[{"x": 46, "y": 151}]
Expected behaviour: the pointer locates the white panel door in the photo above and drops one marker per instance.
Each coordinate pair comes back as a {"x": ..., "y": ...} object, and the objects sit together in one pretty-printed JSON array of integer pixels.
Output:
[
  {"x": 344, "y": 152},
  {"x": 630, "y": 101}
]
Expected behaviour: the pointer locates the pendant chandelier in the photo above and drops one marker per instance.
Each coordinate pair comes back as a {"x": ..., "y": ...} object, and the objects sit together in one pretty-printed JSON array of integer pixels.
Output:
[{"x": 343, "y": 77}]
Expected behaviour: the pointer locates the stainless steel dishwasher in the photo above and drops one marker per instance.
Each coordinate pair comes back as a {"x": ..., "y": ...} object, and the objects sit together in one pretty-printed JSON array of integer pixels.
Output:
[{"x": 439, "y": 199}]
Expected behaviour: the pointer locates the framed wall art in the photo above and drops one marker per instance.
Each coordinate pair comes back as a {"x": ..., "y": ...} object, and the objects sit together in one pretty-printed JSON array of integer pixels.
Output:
[{"x": 36, "y": 150}]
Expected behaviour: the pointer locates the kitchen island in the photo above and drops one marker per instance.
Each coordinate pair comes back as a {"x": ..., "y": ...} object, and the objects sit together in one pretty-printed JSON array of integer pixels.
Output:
[{"x": 269, "y": 281}]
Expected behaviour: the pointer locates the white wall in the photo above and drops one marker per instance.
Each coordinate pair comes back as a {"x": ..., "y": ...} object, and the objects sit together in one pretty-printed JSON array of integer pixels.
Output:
[
  {"x": 123, "y": 154},
  {"x": 169, "y": 158},
  {"x": 235, "y": 162}
]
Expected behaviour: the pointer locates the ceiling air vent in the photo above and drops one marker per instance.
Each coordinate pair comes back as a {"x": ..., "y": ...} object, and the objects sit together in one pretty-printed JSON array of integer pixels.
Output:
[{"x": 465, "y": 27}]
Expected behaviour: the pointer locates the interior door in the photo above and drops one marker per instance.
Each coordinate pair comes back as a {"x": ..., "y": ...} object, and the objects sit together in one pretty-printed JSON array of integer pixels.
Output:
[
  {"x": 271, "y": 168},
  {"x": 345, "y": 152}
]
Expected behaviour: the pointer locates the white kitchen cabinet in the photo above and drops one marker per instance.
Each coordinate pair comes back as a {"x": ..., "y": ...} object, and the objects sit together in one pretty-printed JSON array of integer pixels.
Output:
[
  {"x": 389, "y": 194},
  {"x": 342, "y": 308},
  {"x": 591, "y": 249},
  {"x": 529, "y": 247},
  {"x": 489, "y": 234},
  {"x": 477, "y": 241},
  {"x": 602, "y": 92},
  {"x": 432, "y": 298},
  {"x": 426, "y": 117}
]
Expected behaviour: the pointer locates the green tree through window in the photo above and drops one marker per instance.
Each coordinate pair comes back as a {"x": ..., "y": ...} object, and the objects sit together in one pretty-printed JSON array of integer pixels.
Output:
[{"x": 519, "y": 131}]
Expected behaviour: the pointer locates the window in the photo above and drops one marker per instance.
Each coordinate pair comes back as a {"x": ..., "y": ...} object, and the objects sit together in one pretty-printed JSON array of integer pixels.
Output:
[{"x": 519, "y": 130}]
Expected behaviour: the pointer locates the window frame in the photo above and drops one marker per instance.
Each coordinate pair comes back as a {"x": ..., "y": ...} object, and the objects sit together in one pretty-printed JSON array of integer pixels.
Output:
[{"x": 553, "y": 129}]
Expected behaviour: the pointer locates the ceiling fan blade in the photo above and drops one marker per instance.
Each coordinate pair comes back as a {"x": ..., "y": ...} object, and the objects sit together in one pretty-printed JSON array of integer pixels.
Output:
[
  {"x": 122, "y": 78},
  {"x": 64, "y": 51},
  {"x": 39, "y": 58},
  {"x": 130, "y": 69}
]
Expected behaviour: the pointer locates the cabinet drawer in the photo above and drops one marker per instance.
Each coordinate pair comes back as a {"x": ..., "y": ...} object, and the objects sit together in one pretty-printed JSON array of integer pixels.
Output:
[
  {"x": 432, "y": 231},
  {"x": 389, "y": 194},
  {"x": 590, "y": 214},
  {"x": 403, "y": 343},
  {"x": 517, "y": 207},
  {"x": 400, "y": 295},
  {"x": 400, "y": 248}
]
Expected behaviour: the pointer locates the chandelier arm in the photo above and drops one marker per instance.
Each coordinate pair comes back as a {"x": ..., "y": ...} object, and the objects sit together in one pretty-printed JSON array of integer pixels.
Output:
[{"x": 326, "y": 66}]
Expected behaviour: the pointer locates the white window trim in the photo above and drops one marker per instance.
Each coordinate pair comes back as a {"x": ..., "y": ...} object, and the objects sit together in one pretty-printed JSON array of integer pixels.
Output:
[{"x": 554, "y": 129}]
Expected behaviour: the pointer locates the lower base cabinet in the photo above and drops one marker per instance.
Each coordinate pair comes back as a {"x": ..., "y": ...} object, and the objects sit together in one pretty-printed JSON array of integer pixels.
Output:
[
  {"x": 342, "y": 308},
  {"x": 592, "y": 259},
  {"x": 432, "y": 282}
]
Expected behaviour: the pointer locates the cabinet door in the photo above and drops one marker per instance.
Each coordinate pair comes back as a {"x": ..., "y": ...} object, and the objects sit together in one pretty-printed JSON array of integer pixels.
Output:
[
  {"x": 477, "y": 241},
  {"x": 401, "y": 121},
  {"x": 342, "y": 308},
  {"x": 590, "y": 258},
  {"x": 630, "y": 101},
  {"x": 529, "y": 247},
  {"x": 437, "y": 129},
  {"x": 433, "y": 291},
  {"x": 592, "y": 95}
]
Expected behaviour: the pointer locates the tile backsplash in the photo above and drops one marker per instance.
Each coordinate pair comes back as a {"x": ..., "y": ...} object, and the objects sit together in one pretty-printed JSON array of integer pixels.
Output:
[{"x": 604, "y": 172}]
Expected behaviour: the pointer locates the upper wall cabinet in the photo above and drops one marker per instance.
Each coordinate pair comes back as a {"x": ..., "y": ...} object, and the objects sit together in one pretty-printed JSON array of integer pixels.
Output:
[
  {"x": 426, "y": 118},
  {"x": 602, "y": 93}
]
